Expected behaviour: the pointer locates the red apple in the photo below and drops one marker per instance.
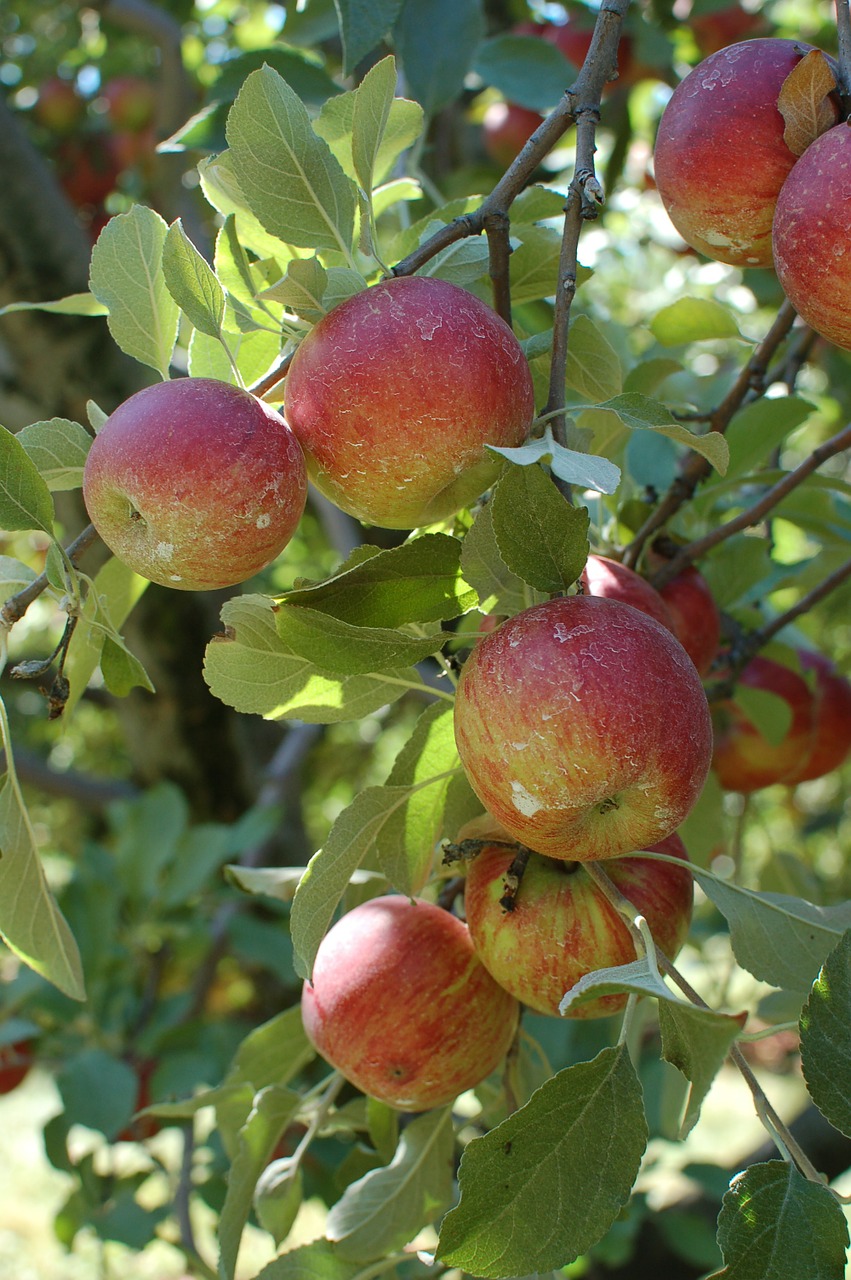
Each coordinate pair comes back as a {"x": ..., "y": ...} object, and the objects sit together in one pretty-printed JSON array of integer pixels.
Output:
[
  {"x": 714, "y": 31},
  {"x": 573, "y": 39},
  {"x": 604, "y": 577},
  {"x": 15, "y": 1063},
  {"x": 583, "y": 728},
  {"x": 697, "y": 621},
  {"x": 58, "y": 106},
  {"x": 88, "y": 168},
  {"x": 130, "y": 102},
  {"x": 743, "y": 758},
  {"x": 506, "y": 128},
  {"x": 720, "y": 156},
  {"x": 562, "y": 927},
  {"x": 811, "y": 251},
  {"x": 402, "y": 1006},
  {"x": 833, "y": 719},
  {"x": 395, "y": 393},
  {"x": 195, "y": 484}
]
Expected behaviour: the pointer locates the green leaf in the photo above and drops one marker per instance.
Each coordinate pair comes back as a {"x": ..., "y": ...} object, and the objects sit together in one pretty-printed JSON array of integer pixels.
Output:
[
  {"x": 419, "y": 581},
  {"x": 499, "y": 590},
  {"x": 98, "y": 1090},
  {"x": 58, "y": 447},
  {"x": 461, "y": 263},
  {"x": 648, "y": 376},
  {"x": 761, "y": 427},
  {"x": 317, "y": 1261},
  {"x": 273, "y": 1109},
  {"x": 779, "y": 939},
  {"x": 222, "y": 190},
  {"x": 76, "y": 304},
  {"x": 278, "y": 1197},
  {"x": 351, "y": 838},
  {"x": 593, "y": 366},
  {"x": 116, "y": 590},
  {"x": 254, "y": 353},
  {"x": 121, "y": 669},
  {"x": 373, "y": 103},
  {"x": 302, "y": 289},
  {"x": 14, "y": 577},
  {"x": 272, "y": 1053},
  {"x": 382, "y": 1211},
  {"x": 775, "y": 1224},
  {"x": 192, "y": 282},
  {"x": 584, "y": 469},
  {"x": 770, "y": 714},
  {"x": 525, "y": 69},
  {"x": 287, "y": 173},
  {"x": 697, "y": 1042},
  {"x": 541, "y": 537},
  {"x": 251, "y": 669},
  {"x": 434, "y": 69},
  {"x": 528, "y": 1203},
  {"x": 693, "y": 320},
  {"x": 640, "y": 412},
  {"x": 826, "y": 1038},
  {"x": 363, "y": 25},
  {"x": 25, "y": 501},
  {"x": 426, "y": 765},
  {"x": 637, "y": 976},
  {"x": 126, "y": 275},
  {"x": 31, "y": 923},
  {"x": 349, "y": 650},
  {"x": 533, "y": 266}
]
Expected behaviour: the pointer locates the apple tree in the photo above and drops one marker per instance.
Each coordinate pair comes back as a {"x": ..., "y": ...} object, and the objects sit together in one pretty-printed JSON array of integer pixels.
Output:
[{"x": 468, "y": 820}]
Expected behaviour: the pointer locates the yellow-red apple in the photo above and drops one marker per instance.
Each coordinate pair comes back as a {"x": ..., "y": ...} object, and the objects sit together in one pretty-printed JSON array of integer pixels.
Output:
[
  {"x": 395, "y": 394},
  {"x": 603, "y": 576},
  {"x": 561, "y": 926},
  {"x": 195, "y": 484},
  {"x": 130, "y": 102},
  {"x": 720, "y": 156},
  {"x": 583, "y": 727},
  {"x": 812, "y": 254},
  {"x": 58, "y": 106},
  {"x": 743, "y": 758},
  {"x": 697, "y": 621},
  {"x": 833, "y": 719},
  {"x": 402, "y": 1006}
]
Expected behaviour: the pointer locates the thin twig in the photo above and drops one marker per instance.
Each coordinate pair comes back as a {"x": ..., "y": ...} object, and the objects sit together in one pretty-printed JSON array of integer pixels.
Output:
[
  {"x": 16, "y": 606},
  {"x": 766, "y": 633}
]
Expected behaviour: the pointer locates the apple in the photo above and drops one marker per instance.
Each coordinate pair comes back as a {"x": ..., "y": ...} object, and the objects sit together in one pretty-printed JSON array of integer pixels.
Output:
[
  {"x": 402, "y": 1006},
  {"x": 811, "y": 254},
  {"x": 506, "y": 128},
  {"x": 833, "y": 719},
  {"x": 15, "y": 1063},
  {"x": 697, "y": 620},
  {"x": 58, "y": 106},
  {"x": 720, "y": 156},
  {"x": 561, "y": 926},
  {"x": 713, "y": 31},
  {"x": 88, "y": 168},
  {"x": 743, "y": 758},
  {"x": 195, "y": 484},
  {"x": 130, "y": 102},
  {"x": 583, "y": 728},
  {"x": 573, "y": 39},
  {"x": 396, "y": 392},
  {"x": 605, "y": 577}
]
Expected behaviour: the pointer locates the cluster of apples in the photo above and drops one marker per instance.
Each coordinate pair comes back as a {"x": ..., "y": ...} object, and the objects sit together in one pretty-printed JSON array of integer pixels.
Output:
[
  {"x": 390, "y": 402},
  {"x": 753, "y": 165}
]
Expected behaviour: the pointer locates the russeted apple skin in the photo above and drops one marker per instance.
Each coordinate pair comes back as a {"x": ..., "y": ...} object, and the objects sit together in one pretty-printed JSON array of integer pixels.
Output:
[
  {"x": 562, "y": 927},
  {"x": 395, "y": 393},
  {"x": 583, "y": 728},
  {"x": 401, "y": 1004},
  {"x": 812, "y": 253},
  {"x": 743, "y": 759},
  {"x": 603, "y": 576},
  {"x": 832, "y": 741},
  {"x": 195, "y": 484},
  {"x": 697, "y": 621},
  {"x": 720, "y": 157}
]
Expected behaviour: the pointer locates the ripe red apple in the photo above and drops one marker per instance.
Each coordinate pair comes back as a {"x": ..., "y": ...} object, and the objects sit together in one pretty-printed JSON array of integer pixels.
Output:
[
  {"x": 833, "y": 719},
  {"x": 395, "y": 393},
  {"x": 605, "y": 577},
  {"x": 403, "y": 1007},
  {"x": 15, "y": 1063},
  {"x": 743, "y": 758},
  {"x": 562, "y": 927},
  {"x": 713, "y": 31},
  {"x": 88, "y": 168},
  {"x": 130, "y": 102},
  {"x": 195, "y": 484},
  {"x": 811, "y": 254},
  {"x": 573, "y": 39},
  {"x": 58, "y": 106},
  {"x": 697, "y": 621},
  {"x": 720, "y": 157},
  {"x": 506, "y": 128},
  {"x": 583, "y": 728}
]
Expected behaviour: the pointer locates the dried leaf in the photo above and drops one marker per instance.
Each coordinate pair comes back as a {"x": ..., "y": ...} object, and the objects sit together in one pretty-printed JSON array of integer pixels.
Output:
[{"x": 804, "y": 101}]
